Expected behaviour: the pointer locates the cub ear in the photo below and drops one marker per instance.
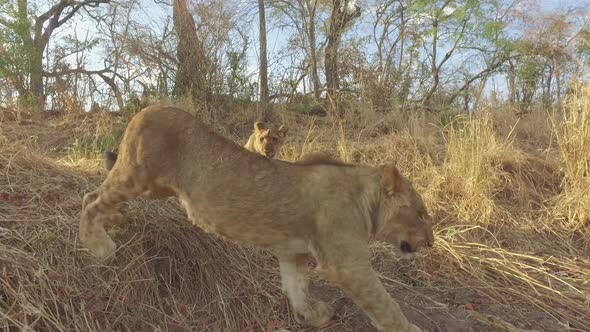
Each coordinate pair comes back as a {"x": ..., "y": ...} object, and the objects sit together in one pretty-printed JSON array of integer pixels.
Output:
[
  {"x": 283, "y": 130},
  {"x": 259, "y": 126},
  {"x": 391, "y": 180}
]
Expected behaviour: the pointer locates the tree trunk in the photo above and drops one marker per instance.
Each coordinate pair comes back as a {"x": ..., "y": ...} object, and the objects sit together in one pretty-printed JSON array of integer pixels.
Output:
[
  {"x": 338, "y": 20},
  {"x": 37, "y": 93},
  {"x": 427, "y": 101},
  {"x": 191, "y": 72},
  {"x": 263, "y": 61},
  {"x": 118, "y": 96},
  {"x": 511, "y": 83},
  {"x": 315, "y": 79},
  {"x": 402, "y": 33},
  {"x": 33, "y": 97},
  {"x": 331, "y": 60},
  {"x": 482, "y": 86},
  {"x": 466, "y": 98},
  {"x": 558, "y": 84},
  {"x": 547, "y": 100}
]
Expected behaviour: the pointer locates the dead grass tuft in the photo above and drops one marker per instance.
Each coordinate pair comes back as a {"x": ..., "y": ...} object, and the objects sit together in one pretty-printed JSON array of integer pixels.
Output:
[{"x": 573, "y": 137}]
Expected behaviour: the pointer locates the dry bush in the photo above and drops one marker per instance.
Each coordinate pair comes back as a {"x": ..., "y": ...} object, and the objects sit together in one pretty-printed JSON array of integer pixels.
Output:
[
  {"x": 95, "y": 134},
  {"x": 470, "y": 177},
  {"x": 531, "y": 131},
  {"x": 573, "y": 137}
]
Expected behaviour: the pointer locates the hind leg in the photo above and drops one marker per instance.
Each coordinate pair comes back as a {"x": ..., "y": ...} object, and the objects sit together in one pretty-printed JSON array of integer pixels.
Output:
[
  {"x": 99, "y": 208},
  {"x": 295, "y": 282}
]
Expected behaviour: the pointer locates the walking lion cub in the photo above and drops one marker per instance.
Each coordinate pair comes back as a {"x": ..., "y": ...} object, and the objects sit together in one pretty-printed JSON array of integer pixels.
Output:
[{"x": 321, "y": 208}]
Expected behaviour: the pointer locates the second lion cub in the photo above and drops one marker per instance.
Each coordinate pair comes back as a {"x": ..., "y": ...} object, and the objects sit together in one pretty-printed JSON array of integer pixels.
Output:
[{"x": 266, "y": 140}]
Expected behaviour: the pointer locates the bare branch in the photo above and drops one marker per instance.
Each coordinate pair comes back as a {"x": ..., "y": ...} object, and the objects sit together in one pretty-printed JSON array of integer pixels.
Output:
[
  {"x": 55, "y": 12},
  {"x": 455, "y": 44},
  {"x": 56, "y": 9},
  {"x": 76, "y": 71},
  {"x": 7, "y": 23}
]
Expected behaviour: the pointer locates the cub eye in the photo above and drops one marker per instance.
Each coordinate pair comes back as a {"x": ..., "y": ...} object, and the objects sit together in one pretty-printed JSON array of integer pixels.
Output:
[{"x": 262, "y": 139}]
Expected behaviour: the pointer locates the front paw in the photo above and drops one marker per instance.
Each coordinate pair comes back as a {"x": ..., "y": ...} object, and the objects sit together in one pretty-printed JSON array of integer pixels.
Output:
[
  {"x": 101, "y": 247},
  {"x": 318, "y": 313}
]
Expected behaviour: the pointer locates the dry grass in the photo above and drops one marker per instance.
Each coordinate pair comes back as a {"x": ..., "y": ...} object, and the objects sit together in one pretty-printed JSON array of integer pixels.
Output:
[
  {"x": 573, "y": 136},
  {"x": 511, "y": 224}
]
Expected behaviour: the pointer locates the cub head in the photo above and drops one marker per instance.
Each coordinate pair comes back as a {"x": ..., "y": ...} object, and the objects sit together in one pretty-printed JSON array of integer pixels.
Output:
[
  {"x": 268, "y": 140},
  {"x": 402, "y": 220}
]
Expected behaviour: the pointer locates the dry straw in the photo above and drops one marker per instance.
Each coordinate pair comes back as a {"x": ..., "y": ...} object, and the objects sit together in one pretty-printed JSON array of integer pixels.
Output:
[{"x": 509, "y": 233}]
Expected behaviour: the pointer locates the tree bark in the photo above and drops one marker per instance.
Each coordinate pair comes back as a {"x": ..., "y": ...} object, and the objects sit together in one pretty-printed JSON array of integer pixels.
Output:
[
  {"x": 191, "y": 71},
  {"x": 547, "y": 100},
  {"x": 263, "y": 61},
  {"x": 511, "y": 83},
  {"x": 37, "y": 93},
  {"x": 331, "y": 59}
]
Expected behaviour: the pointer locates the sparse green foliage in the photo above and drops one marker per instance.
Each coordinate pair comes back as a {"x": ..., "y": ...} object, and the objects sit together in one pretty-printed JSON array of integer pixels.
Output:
[{"x": 15, "y": 51}]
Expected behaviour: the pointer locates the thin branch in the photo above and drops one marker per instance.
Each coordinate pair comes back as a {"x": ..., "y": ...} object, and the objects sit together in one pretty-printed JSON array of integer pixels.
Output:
[
  {"x": 7, "y": 23},
  {"x": 56, "y": 9},
  {"x": 66, "y": 72},
  {"x": 459, "y": 38}
]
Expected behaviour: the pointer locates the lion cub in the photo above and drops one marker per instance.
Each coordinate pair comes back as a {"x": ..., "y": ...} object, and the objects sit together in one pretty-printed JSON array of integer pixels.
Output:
[
  {"x": 265, "y": 140},
  {"x": 322, "y": 208}
]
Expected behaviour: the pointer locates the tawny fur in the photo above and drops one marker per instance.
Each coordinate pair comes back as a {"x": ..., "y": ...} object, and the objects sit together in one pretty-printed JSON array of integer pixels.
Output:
[
  {"x": 265, "y": 140},
  {"x": 322, "y": 209},
  {"x": 316, "y": 158}
]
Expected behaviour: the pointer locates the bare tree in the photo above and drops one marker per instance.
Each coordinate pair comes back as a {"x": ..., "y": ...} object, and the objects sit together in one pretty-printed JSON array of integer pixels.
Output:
[
  {"x": 340, "y": 17},
  {"x": 302, "y": 15},
  {"x": 35, "y": 38},
  {"x": 155, "y": 50},
  {"x": 439, "y": 17}
]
